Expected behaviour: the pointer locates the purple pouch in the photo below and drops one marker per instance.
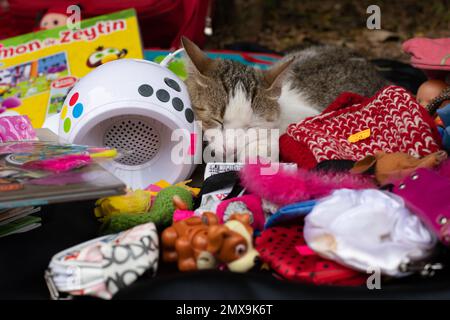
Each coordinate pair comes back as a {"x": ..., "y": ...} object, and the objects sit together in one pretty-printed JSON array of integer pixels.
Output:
[
  {"x": 426, "y": 193},
  {"x": 16, "y": 128}
]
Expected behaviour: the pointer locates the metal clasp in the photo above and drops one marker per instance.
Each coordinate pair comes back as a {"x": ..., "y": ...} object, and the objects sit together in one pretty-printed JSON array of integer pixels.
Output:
[{"x": 54, "y": 293}]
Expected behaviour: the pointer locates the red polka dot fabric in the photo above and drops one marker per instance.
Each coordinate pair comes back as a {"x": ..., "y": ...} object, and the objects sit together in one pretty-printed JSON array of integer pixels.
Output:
[{"x": 278, "y": 248}]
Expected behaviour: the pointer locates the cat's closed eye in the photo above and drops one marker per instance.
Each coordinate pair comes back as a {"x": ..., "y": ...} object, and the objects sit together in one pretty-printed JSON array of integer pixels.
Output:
[{"x": 218, "y": 122}]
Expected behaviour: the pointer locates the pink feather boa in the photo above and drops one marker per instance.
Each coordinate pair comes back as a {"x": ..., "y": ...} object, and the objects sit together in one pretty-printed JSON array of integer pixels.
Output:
[{"x": 285, "y": 187}]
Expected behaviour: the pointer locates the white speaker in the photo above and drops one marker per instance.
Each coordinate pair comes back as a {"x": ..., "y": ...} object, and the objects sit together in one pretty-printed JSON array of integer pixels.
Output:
[{"x": 134, "y": 106}]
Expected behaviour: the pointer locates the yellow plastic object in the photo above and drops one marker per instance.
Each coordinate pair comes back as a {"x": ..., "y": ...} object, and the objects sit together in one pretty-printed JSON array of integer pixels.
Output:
[
  {"x": 112, "y": 153},
  {"x": 154, "y": 188},
  {"x": 137, "y": 201}
]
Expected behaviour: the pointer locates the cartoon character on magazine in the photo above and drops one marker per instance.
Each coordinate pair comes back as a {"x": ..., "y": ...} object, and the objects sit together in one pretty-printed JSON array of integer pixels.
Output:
[
  {"x": 53, "y": 17},
  {"x": 103, "y": 55},
  {"x": 6, "y": 79}
]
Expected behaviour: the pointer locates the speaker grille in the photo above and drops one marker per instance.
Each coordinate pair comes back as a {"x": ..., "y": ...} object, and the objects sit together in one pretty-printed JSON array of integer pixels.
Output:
[{"x": 136, "y": 140}]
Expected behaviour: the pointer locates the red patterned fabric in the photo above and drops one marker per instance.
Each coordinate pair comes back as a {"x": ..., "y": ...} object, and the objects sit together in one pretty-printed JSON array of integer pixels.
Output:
[
  {"x": 396, "y": 121},
  {"x": 283, "y": 248}
]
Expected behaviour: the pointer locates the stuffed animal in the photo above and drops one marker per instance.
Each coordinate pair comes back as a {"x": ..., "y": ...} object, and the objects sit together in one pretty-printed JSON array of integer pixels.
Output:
[
  {"x": 133, "y": 202},
  {"x": 124, "y": 221},
  {"x": 394, "y": 166},
  {"x": 199, "y": 243},
  {"x": 167, "y": 201},
  {"x": 118, "y": 218}
]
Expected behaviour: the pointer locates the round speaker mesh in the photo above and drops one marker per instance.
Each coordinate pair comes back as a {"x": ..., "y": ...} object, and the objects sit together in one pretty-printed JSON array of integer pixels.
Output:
[{"x": 135, "y": 139}]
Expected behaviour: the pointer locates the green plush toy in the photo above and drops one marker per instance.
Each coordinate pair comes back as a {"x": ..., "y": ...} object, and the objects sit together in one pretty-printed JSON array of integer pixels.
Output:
[
  {"x": 161, "y": 213},
  {"x": 167, "y": 201},
  {"x": 123, "y": 221}
]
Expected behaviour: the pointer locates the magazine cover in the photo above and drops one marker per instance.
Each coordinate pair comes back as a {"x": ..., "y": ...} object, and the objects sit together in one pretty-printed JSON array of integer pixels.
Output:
[
  {"x": 23, "y": 184},
  {"x": 38, "y": 69}
]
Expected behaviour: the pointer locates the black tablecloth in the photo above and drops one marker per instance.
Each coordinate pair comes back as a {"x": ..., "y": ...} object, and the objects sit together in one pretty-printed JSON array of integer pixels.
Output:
[{"x": 24, "y": 257}]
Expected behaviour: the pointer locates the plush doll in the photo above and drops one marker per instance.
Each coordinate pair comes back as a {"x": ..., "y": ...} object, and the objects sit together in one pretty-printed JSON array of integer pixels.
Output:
[
  {"x": 54, "y": 17},
  {"x": 199, "y": 243},
  {"x": 390, "y": 167}
]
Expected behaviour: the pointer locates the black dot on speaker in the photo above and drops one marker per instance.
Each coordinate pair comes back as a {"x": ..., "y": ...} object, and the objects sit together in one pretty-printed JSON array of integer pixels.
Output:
[
  {"x": 189, "y": 115},
  {"x": 145, "y": 90},
  {"x": 162, "y": 95},
  {"x": 177, "y": 104},
  {"x": 172, "y": 84}
]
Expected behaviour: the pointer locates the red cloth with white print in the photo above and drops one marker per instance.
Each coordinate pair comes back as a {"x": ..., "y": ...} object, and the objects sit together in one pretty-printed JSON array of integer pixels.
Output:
[
  {"x": 286, "y": 252},
  {"x": 397, "y": 123}
]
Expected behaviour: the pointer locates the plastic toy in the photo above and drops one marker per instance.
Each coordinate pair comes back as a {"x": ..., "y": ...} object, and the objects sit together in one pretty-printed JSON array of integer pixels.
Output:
[
  {"x": 199, "y": 243},
  {"x": 135, "y": 106}
]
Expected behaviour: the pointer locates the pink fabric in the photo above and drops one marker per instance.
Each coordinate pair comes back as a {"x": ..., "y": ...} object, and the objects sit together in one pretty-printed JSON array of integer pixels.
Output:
[
  {"x": 432, "y": 54},
  {"x": 253, "y": 204},
  {"x": 179, "y": 215},
  {"x": 305, "y": 250},
  {"x": 59, "y": 164},
  {"x": 16, "y": 128},
  {"x": 286, "y": 187}
]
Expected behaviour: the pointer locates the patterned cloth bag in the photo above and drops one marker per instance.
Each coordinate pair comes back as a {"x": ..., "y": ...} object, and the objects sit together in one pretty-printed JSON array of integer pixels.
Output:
[
  {"x": 353, "y": 127},
  {"x": 104, "y": 265}
]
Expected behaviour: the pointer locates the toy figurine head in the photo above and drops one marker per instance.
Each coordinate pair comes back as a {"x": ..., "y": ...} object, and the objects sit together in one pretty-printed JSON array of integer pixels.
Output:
[
  {"x": 54, "y": 17},
  {"x": 429, "y": 90}
]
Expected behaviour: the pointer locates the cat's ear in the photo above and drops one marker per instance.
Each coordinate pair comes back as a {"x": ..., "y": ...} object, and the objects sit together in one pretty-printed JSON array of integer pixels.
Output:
[
  {"x": 198, "y": 61},
  {"x": 273, "y": 76}
]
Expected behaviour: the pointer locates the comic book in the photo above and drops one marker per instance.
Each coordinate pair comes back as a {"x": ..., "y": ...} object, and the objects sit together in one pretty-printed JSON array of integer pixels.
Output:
[
  {"x": 38, "y": 69},
  {"x": 21, "y": 186}
]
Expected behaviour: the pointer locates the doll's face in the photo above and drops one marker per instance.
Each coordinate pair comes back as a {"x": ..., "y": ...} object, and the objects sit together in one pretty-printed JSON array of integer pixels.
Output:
[
  {"x": 429, "y": 90},
  {"x": 53, "y": 20}
]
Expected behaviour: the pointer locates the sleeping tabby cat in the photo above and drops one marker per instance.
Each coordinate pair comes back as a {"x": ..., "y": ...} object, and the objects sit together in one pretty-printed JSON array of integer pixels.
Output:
[{"x": 226, "y": 94}]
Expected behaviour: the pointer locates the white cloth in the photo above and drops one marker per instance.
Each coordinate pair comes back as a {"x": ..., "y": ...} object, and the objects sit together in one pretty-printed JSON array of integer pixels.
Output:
[{"x": 367, "y": 229}]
